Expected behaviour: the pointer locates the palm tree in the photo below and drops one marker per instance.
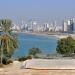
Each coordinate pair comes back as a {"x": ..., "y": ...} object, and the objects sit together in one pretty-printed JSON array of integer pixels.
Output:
[{"x": 8, "y": 43}]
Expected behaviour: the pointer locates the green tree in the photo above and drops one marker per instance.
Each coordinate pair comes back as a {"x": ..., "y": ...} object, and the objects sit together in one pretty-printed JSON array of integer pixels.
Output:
[
  {"x": 66, "y": 46},
  {"x": 8, "y": 43},
  {"x": 34, "y": 51}
]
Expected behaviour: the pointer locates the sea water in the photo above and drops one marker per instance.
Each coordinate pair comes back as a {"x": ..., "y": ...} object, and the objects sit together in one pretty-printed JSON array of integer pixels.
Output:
[{"x": 47, "y": 44}]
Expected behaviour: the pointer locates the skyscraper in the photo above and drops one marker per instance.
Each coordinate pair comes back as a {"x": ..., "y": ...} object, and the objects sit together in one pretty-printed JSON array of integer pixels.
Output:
[
  {"x": 74, "y": 24},
  {"x": 65, "y": 26},
  {"x": 69, "y": 26}
]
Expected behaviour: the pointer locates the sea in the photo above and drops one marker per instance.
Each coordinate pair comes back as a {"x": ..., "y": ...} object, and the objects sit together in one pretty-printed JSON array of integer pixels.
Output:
[{"x": 46, "y": 43}]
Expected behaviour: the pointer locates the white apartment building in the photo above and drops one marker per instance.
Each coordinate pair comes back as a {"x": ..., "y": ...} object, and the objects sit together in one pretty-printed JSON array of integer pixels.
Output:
[{"x": 65, "y": 26}]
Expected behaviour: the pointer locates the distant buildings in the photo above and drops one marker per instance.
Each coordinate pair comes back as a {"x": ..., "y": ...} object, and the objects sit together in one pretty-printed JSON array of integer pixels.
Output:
[
  {"x": 74, "y": 24},
  {"x": 35, "y": 26},
  {"x": 69, "y": 26},
  {"x": 15, "y": 28},
  {"x": 65, "y": 26}
]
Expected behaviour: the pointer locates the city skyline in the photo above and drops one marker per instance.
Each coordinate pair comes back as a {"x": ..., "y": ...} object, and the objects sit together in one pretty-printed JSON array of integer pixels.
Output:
[{"x": 43, "y": 10}]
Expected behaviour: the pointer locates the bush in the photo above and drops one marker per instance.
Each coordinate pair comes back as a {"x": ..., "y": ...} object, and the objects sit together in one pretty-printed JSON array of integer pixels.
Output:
[
  {"x": 9, "y": 61},
  {"x": 29, "y": 57},
  {"x": 66, "y": 46},
  {"x": 34, "y": 51},
  {"x": 24, "y": 58},
  {"x": 4, "y": 61}
]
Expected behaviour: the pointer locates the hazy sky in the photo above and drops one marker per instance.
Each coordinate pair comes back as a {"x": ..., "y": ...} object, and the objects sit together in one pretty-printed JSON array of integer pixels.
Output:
[{"x": 45, "y": 10}]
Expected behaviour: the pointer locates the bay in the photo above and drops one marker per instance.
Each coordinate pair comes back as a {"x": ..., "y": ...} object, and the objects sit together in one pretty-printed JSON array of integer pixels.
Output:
[{"x": 26, "y": 41}]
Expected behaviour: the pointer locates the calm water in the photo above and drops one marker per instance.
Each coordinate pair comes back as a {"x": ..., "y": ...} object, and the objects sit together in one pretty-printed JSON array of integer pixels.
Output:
[{"x": 26, "y": 41}]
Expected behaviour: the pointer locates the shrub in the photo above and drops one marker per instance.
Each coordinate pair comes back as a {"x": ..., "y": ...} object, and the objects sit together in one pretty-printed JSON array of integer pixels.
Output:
[
  {"x": 22, "y": 58},
  {"x": 29, "y": 57},
  {"x": 9, "y": 61},
  {"x": 66, "y": 46},
  {"x": 34, "y": 51},
  {"x": 4, "y": 60}
]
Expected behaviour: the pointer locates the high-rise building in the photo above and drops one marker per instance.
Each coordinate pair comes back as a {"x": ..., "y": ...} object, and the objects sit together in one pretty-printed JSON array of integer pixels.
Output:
[
  {"x": 74, "y": 24},
  {"x": 65, "y": 26},
  {"x": 69, "y": 26}
]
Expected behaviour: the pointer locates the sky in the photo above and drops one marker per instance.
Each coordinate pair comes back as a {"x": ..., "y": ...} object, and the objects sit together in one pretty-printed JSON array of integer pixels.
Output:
[{"x": 43, "y": 10}]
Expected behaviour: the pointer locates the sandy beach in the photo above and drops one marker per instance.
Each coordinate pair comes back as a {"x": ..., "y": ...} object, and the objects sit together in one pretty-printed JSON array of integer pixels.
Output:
[
  {"x": 55, "y": 34},
  {"x": 15, "y": 69}
]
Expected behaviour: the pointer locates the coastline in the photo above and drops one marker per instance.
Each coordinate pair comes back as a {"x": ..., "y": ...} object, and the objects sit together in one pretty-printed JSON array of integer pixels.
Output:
[{"x": 57, "y": 35}]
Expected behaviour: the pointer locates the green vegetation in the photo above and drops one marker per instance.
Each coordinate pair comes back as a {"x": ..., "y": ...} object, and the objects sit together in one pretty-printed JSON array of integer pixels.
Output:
[
  {"x": 23, "y": 58},
  {"x": 9, "y": 61},
  {"x": 66, "y": 46},
  {"x": 34, "y": 51},
  {"x": 8, "y": 43}
]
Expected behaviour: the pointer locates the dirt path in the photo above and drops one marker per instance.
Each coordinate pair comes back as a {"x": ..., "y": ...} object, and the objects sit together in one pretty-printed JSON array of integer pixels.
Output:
[
  {"x": 37, "y": 72},
  {"x": 15, "y": 69}
]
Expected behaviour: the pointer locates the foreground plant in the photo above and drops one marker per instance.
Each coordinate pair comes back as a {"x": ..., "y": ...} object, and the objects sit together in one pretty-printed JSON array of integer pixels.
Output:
[
  {"x": 8, "y": 43},
  {"x": 66, "y": 46}
]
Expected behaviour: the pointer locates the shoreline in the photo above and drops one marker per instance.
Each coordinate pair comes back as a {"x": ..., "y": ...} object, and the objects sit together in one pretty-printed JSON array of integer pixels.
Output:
[{"x": 58, "y": 36}]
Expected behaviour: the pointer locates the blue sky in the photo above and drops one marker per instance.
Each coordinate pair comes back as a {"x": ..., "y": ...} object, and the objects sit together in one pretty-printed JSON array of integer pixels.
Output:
[{"x": 45, "y": 10}]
